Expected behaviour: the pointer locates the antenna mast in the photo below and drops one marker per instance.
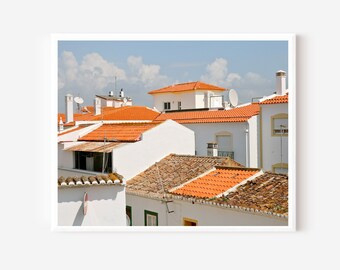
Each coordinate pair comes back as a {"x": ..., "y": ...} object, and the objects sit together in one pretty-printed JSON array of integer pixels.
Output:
[{"x": 116, "y": 86}]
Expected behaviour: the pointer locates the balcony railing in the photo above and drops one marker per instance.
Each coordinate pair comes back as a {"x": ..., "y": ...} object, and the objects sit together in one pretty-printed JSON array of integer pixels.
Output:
[{"x": 226, "y": 154}]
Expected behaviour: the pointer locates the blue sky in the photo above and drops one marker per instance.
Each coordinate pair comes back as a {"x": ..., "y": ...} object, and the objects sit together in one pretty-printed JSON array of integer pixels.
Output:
[{"x": 87, "y": 68}]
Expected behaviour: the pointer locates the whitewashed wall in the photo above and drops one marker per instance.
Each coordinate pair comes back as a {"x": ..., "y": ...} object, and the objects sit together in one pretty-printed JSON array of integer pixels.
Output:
[
  {"x": 65, "y": 158},
  {"x": 106, "y": 206},
  {"x": 200, "y": 97},
  {"x": 204, "y": 214},
  {"x": 254, "y": 140},
  {"x": 187, "y": 99},
  {"x": 132, "y": 158},
  {"x": 158, "y": 142},
  {"x": 206, "y": 132},
  {"x": 271, "y": 145}
]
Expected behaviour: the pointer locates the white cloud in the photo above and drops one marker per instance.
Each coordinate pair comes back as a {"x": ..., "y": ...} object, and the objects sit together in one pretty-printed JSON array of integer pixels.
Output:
[
  {"x": 92, "y": 75},
  {"x": 148, "y": 75},
  {"x": 250, "y": 85},
  {"x": 216, "y": 72}
]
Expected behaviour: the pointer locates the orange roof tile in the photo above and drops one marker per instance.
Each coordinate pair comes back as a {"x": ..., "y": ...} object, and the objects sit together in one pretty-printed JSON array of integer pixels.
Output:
[
  {"x": 127, "y": 113},
  {"x": 276, "y": 100},
  {"x": 172, "y": 171},
  {"x": 215, "y": 183},
  {"x": 109, "y": 113},
  {"x": 189, "y": 86},
  {"x": 240, "y": 114},
  {"x": 126, "y": 132}
]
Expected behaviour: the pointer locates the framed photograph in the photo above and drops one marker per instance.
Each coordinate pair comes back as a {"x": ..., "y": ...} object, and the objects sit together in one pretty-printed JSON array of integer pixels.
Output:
[{"x": 173, "y": 132}]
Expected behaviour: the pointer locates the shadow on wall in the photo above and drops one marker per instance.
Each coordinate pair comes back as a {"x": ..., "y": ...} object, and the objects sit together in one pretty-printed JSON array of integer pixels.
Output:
[{"x": 79, "y": 217}]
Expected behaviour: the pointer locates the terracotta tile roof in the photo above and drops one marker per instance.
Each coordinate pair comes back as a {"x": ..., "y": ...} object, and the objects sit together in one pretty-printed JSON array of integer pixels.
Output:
[
  {"x": 125, "y": 132},
  {"x": 189, "y": 86},
  {"x": 127, "y": 113},
  {"x": 240, "y": 114},
  {"x": 138, "y": 113},
  {"x": 172, "y": 171},
  {"x": 215, "y": 183},
  {"x": 276, "y": 100},
  {"x": 76, "y": 181},
  {"x": 266, "y": 193},
  {"x": 98, "y": 147}
]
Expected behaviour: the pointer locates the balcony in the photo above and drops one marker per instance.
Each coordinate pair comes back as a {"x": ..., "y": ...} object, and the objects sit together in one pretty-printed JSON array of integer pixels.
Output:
[{"x": 226, "y": 154}]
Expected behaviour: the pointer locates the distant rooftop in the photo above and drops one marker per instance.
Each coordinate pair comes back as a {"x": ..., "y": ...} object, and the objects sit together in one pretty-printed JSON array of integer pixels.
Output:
[
  {"x": 126, "y": 113},
  {"x": 189, "y": 86}
]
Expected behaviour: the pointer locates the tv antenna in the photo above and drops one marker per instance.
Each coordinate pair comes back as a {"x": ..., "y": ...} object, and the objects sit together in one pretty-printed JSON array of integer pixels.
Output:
[
  {"x": 79, "y": 101},
  {"x": 233, "y": 98}
]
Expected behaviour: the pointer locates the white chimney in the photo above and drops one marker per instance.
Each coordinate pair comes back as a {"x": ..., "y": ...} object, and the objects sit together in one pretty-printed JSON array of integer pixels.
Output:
[
  {"x": 69, "y": 108},
  {"x": 111, "y": 94},
  {"x": 97, "y": 106},
  {"x": 281, "y": 83},
  {"x": 212, "y": 150}
]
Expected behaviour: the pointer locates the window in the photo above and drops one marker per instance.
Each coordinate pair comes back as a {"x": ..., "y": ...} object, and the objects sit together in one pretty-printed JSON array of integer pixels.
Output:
[
  {"x": 150, "y": 218},
  {"x": 280, "y": 168},
  {"x": 167, "y": 106},
  {"x": 189, "y": 222},
  {"x": 91, "y": 161},
  {"x": 179, "y": 105},
  {"x": 224, "y": 142},
  {"x": 280, "y": 124},
  {"x": 128, "y": 215}
]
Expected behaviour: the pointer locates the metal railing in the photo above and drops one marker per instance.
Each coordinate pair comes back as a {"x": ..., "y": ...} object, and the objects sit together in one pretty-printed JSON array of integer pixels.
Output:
[{"x": 226, "y": 154}]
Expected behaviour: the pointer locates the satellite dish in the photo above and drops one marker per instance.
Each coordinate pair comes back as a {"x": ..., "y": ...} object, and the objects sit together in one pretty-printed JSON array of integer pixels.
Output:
[
  {"x": 233, "y": 97},
  {"x": 78, "y": 100}
]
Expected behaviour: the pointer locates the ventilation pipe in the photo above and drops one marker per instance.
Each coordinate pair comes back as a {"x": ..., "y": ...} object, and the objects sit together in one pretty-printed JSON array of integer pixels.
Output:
[
  {"x": 69, "y": 108},
  {"x": 247, "y": 145},
  {"x": 121, "y": 94},
  {"x": 280, "y": 82}
]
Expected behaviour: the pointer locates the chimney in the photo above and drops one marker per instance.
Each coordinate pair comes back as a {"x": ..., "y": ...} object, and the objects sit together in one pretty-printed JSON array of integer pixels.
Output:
[
  {"x": 61, "y": 125},
  {"x": 212, "y": 149},
  {"x": 97, "y": 106},
  {"x": 111, "y": 94},
  {"x": 281, "y": 83},
  {"x": 69, "y": 108}
]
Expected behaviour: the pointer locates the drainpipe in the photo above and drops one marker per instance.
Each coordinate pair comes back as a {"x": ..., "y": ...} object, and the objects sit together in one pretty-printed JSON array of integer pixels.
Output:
[{"x": 247, "y": 145}]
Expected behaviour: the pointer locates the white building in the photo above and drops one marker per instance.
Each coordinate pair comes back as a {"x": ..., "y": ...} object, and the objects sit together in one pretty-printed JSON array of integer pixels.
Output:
[
  {"x": 235, "y": 131},
  {"x": 125, "y": 148},
  {"x": 274, "y": 128},
  {"x": 114, "y": 101},
  {"x": 184, "y": 96},
  {"x": 91, "y": 201},
  {"x": 195, "y": 191}
]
